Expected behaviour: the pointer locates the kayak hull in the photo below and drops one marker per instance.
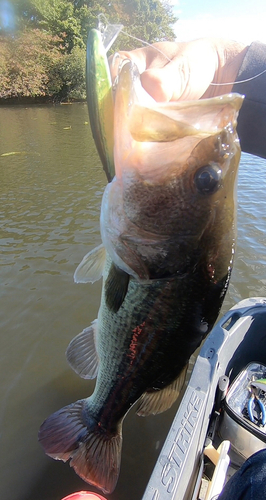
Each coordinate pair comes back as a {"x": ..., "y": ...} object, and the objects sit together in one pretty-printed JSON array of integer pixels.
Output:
[{"x": 236, "y": 340}]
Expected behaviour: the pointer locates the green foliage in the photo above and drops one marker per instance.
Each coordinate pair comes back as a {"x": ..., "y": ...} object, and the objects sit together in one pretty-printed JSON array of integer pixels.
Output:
[
  {"x": 152, "y": 21},
  {"x": 45, "y": 56},
  {"x": 148, "y": 20},
  {"x": 25, "y": 62},
  {"x": 57, "y": 17},
  {"x": 67, "y": 77}
]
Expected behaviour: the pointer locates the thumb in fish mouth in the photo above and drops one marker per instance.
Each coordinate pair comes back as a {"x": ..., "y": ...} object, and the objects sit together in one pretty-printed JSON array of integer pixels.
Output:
[
  {"x": 131, "y": 99},
  {"x": 143, "y": 128},
  {"x": 174, "y": 71}
]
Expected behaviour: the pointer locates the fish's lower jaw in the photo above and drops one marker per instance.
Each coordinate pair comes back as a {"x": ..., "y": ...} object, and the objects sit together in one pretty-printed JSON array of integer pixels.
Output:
[{"x": 94, "y": 453}]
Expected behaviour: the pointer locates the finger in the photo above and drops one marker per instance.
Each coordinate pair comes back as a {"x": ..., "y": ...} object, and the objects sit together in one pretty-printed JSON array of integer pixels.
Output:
[
  {"x": 163, "y": 84},
  {"x": 164, "y": 79},
  {"x": 145, "y": 58},
  {"x": 202, "y": 60}
]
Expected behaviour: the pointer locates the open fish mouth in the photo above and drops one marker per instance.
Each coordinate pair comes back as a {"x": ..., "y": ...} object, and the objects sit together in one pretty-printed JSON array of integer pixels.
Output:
[
  {"x": 142, "y": 126},
  {"x": 136, "y": 119},
  {"x": 170, "y": 158}
]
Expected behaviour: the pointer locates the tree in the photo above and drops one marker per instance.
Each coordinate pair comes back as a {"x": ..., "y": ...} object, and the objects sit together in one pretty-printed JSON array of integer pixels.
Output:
[
  {"x": 26, "y": 62},
  {"x": 149, "y": 20},
  {"x": 69, "y": 74},
  {"x": 45, "y": 54},
  {"x": 57, "y": 17},
  {"x": 152, "y": 20}
]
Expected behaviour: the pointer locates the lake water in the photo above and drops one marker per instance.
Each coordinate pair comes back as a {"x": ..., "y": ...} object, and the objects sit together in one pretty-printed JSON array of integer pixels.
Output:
[{"x": 50, "y": 195}]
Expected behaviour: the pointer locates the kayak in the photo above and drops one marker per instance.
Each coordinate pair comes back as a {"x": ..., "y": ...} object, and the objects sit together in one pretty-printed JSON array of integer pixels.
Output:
[{"x": 217, "y": 427}]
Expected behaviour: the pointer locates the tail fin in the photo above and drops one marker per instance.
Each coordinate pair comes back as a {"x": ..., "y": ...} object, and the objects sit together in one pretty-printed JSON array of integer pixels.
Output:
[{"x": 95, "y": 453}]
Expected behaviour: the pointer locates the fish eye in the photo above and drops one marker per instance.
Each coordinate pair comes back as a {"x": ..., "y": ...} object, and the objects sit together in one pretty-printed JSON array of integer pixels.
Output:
[{"x": 207, "y": 179}]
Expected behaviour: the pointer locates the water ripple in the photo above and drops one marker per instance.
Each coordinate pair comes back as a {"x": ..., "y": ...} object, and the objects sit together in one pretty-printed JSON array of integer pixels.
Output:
[{"x": 50, "y": 200}]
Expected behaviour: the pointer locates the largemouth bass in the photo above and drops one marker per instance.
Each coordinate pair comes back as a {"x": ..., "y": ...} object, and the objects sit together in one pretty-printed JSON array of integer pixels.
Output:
[{"x": 168, "y": 231}]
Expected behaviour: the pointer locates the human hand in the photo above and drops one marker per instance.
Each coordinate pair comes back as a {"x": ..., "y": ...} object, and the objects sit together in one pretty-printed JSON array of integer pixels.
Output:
[{"x": 172, "y": 71}]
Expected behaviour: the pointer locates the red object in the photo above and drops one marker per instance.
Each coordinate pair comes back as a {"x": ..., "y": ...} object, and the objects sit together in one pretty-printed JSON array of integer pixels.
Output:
[{"x": 84, "y": 495}]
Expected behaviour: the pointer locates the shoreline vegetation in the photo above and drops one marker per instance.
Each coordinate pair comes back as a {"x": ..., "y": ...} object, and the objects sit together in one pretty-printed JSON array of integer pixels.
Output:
[
  {"x": 29, "y": 101},
  {"x": 43, "y": 43}
]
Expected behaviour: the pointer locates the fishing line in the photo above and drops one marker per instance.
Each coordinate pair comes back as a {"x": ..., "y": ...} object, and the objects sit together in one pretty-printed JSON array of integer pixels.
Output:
[
  {"x": 168, "y": 59},
  {"x": 147, "y": 43},
  {"x": 103, "y": 26},
  {"x": 241, "y": 81},
  {"x": 164, "y": 55}
]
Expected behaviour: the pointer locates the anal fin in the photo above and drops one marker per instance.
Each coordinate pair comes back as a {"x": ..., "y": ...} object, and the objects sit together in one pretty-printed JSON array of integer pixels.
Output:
[
  {"x": 154, "y": 402},
  {"x": 81, "y": 353}
]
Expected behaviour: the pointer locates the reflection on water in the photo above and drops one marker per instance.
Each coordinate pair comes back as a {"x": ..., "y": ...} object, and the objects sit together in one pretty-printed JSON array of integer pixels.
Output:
[{"x": 50, "y": 194}]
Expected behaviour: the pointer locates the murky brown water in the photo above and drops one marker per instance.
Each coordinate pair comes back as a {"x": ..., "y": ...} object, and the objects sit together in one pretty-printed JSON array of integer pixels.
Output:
[{"x": 50, "y": 195}]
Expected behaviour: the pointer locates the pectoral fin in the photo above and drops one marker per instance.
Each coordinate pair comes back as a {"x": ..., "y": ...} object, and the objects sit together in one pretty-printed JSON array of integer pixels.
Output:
[
  {"x": 116, "y": 286},
  {"x": 81, "y": 353},
  {"x": 91, "y": 267},
  {"x": 154, "y": 402}
]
